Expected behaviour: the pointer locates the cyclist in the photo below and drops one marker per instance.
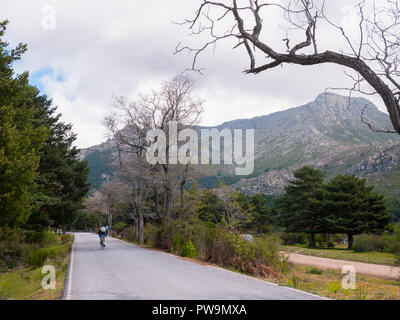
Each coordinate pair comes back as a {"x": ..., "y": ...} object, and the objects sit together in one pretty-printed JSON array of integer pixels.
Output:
[
  {"x": 102, "y": 232},
  {"x": 107, "y": 228}
]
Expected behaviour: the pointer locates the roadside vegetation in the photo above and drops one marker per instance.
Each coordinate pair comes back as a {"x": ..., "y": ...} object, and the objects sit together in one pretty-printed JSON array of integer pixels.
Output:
[
  {"x": 22, "y": 256},
  {"x": 42, "y": 183},
  {"x": 247, "y": 234},
  {"x": 217, "y": 245},
  {"x": 369, "y": 248},
  {"x": 327, "y": 283}
]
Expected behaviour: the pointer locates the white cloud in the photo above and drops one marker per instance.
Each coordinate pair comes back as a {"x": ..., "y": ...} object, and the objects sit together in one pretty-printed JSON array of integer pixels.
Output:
[{"x": 123, "y": 47}]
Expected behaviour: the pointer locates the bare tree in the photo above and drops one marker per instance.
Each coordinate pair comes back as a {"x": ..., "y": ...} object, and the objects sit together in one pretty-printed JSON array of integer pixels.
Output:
[
  {"x": 108, "y": 201},
  {"x": 234, "y": 215},
  {"x": 130, "y": 124},
  {"x": 373, "y": 56},
  {"x": 136, "y": 173},
  {"x": 112, "y": 195},
  {"x": 95, "y": 204}
]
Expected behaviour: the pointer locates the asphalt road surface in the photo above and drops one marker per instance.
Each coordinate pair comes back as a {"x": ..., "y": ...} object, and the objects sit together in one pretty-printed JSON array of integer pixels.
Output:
[{"x": 126, "y": 271}]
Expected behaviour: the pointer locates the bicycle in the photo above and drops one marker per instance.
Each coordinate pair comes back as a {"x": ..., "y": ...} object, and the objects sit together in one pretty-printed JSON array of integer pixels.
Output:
[{"x": 102, "y": 245}]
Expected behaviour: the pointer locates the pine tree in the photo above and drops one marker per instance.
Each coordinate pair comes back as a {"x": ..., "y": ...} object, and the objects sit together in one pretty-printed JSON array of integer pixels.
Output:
[
  {"x": 61, "y": 185},
  {"x": 261, "y": 214},
  {"x": 210, "y": 208},
  {"x": 19, "y": 161},
  {"x": 20, "y": 139},
  {"x": 353, "y": 207},
  {"x": 299, "y": 208},
  {"x": 62, "y": 182}
]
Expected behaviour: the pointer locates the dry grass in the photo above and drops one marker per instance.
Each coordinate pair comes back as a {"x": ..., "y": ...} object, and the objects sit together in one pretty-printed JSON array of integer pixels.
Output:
[{"x": 327, "y": 283}]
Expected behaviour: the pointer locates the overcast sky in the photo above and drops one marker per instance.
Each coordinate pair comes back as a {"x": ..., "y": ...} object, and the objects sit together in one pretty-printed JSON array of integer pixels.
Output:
[{"x": 99, "y": 48}]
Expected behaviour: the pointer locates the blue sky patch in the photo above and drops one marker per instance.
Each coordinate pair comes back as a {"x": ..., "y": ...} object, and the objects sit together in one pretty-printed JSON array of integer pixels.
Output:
[{"x": 35, "y": 77}]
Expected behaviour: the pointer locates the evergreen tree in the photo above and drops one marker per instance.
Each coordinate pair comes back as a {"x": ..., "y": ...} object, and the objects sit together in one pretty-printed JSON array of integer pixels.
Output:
[
  {"x": 353, "y": 208},
  {"x": 61, "y": 183},
  {"x": 299, "y": 208},
  {"x": 20, "y": 140},
  {"x": 19, "y": 160},
  {"x": 243, "y": 201},
  {"x": 210, "y": 207},
  {"x": 261, "y": 214}
]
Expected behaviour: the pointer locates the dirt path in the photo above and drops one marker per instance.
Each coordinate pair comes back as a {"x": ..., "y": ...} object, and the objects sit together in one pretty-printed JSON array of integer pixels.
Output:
[{"x": 375, "y": 270}]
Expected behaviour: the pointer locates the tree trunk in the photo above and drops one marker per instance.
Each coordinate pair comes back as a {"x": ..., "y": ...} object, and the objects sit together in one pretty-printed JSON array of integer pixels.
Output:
[
  {"x": 139, "y": 224},
  {"x": 164, "y": 205},
  {"x": 182, "y": 188},
  {"x": 137, "y": 229},
  {"x": 157, "y": 204},
  {"x": 110, "y": 216},
  {"x": 168, "y": 190},
  {"x": 141, "y": 229},
  {"x": 312, "y": 240},
  {"x": 181, "y": 191},
  {"x": 350, "y": 241}
]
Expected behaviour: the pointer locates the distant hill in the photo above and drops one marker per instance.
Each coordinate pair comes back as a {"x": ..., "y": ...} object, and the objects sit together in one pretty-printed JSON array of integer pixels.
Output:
[{"x": 326, "y": 133}]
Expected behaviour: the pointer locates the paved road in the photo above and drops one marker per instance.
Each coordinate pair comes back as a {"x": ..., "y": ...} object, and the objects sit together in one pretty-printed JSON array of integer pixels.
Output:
[
  {"x": 374, "y": 270},
  {"x": 125, "y": 271}
]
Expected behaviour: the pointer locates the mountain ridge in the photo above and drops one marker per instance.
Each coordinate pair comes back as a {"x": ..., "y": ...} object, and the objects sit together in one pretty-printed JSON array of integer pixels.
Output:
[{"x": 326, "y": 133}]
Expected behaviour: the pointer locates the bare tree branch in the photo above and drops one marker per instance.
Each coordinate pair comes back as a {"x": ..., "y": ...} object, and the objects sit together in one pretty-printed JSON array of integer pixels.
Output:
[{"x": 374, "y": 56}]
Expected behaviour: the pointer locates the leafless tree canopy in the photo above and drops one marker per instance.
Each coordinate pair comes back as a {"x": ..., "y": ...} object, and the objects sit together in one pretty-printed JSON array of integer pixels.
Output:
[
  {"x": 107, "y": 201},
  {"x": 373, "y": 57},
  {"x": 128, "y": 127}
]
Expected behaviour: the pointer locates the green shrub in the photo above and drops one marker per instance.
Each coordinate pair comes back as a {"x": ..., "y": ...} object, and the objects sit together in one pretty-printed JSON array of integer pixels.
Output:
[
  {"x": 362, "y": 243},
  {"x": 119, "y": 227},
  {"x": 260, "y": 257},
  {"x": 150, "y": 234},
  {"x": 19, "y": 247},
  {"x": 371, "y": 242},
  {"x": 42, "y": 238},
  {"x": 291, "y": 238},
  {"x": 65, "y": 238},
  {"x": 41, "y": 255},
  {"x": 392, "y": 242},
  {"x": 12, "y": 248},
  {"x": 216, "y": 244},
  {"x": 333, "y": 287},
  {"x": 11, "y": 234},
  {"x": 183, "y": 247},
  {"x": 11, "y": 255},
  {"x": 129, "y": 233},
  {"x": 315, "y": 270},
  {"x": 319, "y": 240}
]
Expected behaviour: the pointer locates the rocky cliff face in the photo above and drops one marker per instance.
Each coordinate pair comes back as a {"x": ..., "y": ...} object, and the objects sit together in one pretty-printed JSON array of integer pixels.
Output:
[
  {"x": 387, "y": 158},
  {"x": 326, "y": 133}
]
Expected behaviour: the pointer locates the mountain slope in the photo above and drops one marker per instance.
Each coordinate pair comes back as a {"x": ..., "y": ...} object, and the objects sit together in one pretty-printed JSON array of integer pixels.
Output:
[{"x": 326, "y": 133}]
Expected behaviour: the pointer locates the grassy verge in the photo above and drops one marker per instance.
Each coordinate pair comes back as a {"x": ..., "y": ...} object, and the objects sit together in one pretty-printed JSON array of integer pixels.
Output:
[
  {"x": 327, "y": 283},
  {"x": 25, "y": 281},
  {"x": 345, "y": 254}
]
